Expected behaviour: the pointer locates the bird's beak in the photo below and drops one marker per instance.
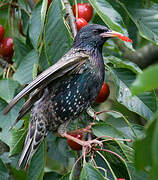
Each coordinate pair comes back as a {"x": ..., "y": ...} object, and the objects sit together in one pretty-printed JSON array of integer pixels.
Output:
[{"x": 116, "y": 34}]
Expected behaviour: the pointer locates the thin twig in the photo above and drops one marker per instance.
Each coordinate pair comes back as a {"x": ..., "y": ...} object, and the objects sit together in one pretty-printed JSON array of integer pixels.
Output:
[{"x": 71, "y": 17}]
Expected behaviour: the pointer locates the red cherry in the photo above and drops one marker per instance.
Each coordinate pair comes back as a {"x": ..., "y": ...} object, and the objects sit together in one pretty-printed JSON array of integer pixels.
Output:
[
  {"x": 73, "y": 145},
  {"x": 1, "y": 32},
  {"x": 103, "y": 94},
  {"x": 85, "y": 11},
  {"x": 7, "y": 47},
  {"x": 80, "y": 22}
]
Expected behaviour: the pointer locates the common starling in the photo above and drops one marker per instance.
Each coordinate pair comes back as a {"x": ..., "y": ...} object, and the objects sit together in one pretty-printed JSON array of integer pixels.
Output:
[{"x": 65, "y": 90}]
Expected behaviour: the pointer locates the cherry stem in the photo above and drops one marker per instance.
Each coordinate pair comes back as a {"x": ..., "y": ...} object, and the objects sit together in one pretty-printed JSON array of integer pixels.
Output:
[
  {"x": 115, "y": 139},
  {"x": 76, "y": 163},
  {"x": 76, "y": 7},
  {"x": 112, "y": 152}
]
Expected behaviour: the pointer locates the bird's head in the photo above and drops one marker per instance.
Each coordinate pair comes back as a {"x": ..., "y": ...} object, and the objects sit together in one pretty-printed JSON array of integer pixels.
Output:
[{"x": 95, "y": 35}]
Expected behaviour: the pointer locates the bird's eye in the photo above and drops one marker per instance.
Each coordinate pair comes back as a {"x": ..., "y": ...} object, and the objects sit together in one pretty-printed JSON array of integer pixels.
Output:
[
  {"x": 98, "y": 31},
  {"x": 95, "y": 31}
]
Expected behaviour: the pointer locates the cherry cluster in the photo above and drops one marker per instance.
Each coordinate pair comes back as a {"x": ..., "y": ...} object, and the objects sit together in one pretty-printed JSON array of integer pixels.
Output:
[
  {"x": 6, "y": 45},
  {"x": 83, "y": 15}
]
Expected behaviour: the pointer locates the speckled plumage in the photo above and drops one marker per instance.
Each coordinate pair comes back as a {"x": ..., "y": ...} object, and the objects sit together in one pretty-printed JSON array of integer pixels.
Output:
[{"x": 64, "y": 90}]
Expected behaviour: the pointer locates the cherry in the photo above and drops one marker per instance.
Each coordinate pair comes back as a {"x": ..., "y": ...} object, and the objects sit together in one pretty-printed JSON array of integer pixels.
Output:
[
  {"x": 85, "y": 11},
  {"x": 73, "y": 145},
  {"x": 80, "y": 22},
  {"x": 103, "y": 94},
  {"x": 1, "y": 32},
  {"x": 7, "y": 47}
]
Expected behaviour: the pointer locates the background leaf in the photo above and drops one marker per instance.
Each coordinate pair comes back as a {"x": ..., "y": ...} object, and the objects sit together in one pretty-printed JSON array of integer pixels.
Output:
[
  {"x": 145, "y": 81},
  {"x": 25, "y": 72},
  {"x": 4, "y": 174},
  {"x": 57, "y": 37},
  {"x": 144, "y": 104},
  {"x": 144, "y": 16},
  {"x": 7, "y": 89}
]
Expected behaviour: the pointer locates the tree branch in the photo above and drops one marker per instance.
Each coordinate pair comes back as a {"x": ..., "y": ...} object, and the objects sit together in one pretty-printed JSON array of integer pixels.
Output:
[
  {"x": 142, "y": 57},
  {"x": 71, "y": 17}
]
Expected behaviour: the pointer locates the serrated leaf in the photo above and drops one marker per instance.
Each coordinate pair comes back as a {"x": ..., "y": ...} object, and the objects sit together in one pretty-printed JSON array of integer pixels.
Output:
[
  {"x": 17, "y": 139},
  {"x": 145, "y": 18},
  {"x": 145, "y": 81},
  {"x": 4, "y": 174},
  {"x": 20, "y": 51},
  {"x": 57, "y": 37},
  {"x": 118, "y": 63},
  {"x": 35, "y": 25},
  {"x": 25, "y": 72},
  {"x": 105, "y": 129},
  {"x": 90, "y": 173},
  {"x": 7, "y": 120},
  {"x": 144, "y": 104},
  {"x": 7, "y": 89}
]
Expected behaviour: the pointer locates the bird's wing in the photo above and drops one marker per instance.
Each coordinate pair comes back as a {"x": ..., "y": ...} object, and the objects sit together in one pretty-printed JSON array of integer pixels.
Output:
[{"x": 67, "y": 63}]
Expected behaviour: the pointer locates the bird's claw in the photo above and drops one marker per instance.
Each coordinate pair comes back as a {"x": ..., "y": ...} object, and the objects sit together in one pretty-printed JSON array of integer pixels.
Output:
[{"x": 91, "y": 143}]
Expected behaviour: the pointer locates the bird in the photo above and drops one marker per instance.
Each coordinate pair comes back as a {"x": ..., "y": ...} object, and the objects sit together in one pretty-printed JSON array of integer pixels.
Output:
[{"x": 64, "y": 90}]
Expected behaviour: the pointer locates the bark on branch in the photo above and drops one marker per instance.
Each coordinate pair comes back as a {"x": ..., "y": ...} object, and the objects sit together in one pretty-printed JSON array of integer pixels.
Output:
[
  {"x": 143, "y": 57},
  {"x": 71, "y": 17}
]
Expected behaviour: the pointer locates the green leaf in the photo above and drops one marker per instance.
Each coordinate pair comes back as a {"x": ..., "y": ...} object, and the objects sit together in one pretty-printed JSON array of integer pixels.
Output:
[
  {"x": 136, "y": 175},
  {"x": 143, "y": 149},
  {"x": 35, "y": 25},
  {"x": 4, "y": 174},
  {"x": 7, "y": 120},
  {"x": 25, "y": 72},
  {"x": 20, "y": 51},
  {"x": 90, "y": 173},
  {"x": 57, "y": 37},
  {"x": 146, "y": 149},
  {"x": 145, "y": 18},
  {"x": 119, "y": 63},
  {"x": 19, "y": 174},
  {"x": 110, "y": 16},
  {"x": 36, "y": 170},
  {"x": 7, "y": 89},
  {"x": 51, "y": 176},
  {"x": 17, "y": 140},
  {"x": 145, "y": 81},
  {"x": 105, "y": 129},
  {"x": 144, "y": 104},
  {"x": 43, "y": 62},
  {"x": 154, "y": 151}
]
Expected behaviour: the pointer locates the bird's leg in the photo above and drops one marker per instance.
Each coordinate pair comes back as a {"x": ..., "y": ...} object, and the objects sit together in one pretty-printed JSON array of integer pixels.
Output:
[
  {"x": 62, "y": 132},
  {"x": 82, "y": 142}
]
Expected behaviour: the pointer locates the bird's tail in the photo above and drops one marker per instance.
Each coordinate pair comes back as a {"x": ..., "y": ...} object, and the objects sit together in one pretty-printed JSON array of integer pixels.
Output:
[{"x": 36, "y": 133}]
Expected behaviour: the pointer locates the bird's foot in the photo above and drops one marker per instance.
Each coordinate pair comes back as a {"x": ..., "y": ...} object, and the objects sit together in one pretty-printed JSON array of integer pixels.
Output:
[{"x": 88, "y": 144}]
